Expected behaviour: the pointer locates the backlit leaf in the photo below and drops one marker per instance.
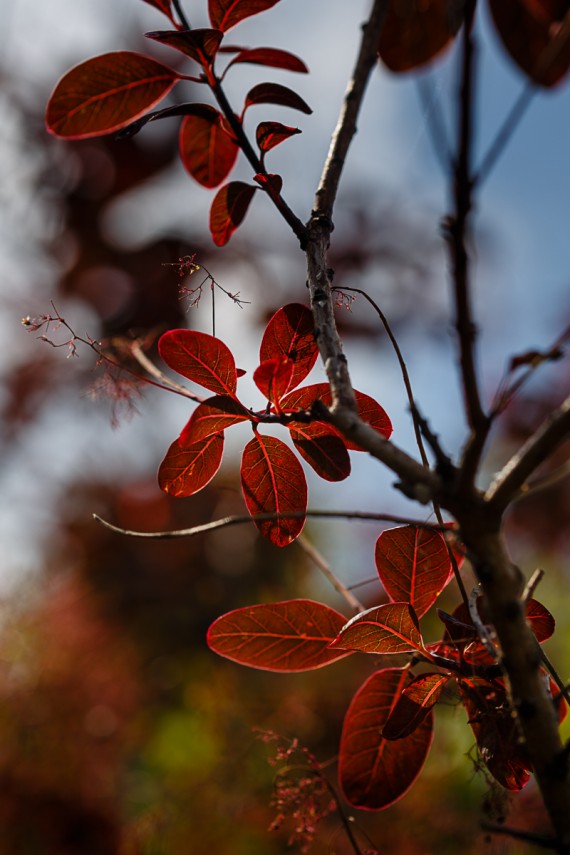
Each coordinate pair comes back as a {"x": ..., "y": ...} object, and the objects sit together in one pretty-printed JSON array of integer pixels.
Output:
[
  {"x": 541, "y": 621},
  {"x": 496, "y": 731},
  {"x": 271, "y": 57},
  {"x": 106, "y": 93},
  {"x": 212, "y": 416},
  {"x": 323, "y": 449},
  {"x": 415, "y": 33},
  {"x": 273, "y": 481},
  {"x": 533, "y": 35},
  {"x": 414, "y": 705},
  {"x": 228, "y": 210},
  {"x": 369, "y": 409},
  {"x": 206, "y": 149},
  {"x": 289, "y": 636},
  {"x": 188, "y": 468},
  {"x": 164, "y": 6},
  {"x": 200, "y": 357},
  {"x": 225, "y": 14},
  {"x": 392, "y": 628},
  {"x": 273, "y": 377},
  {"x": 290, "y": 333},
  {"x": 200, "y": 45},
  {"x": 270, "y": 134},
  {"x": 413, "y": 565},
  {"x": 375, "y": 772},
  {"x": 274, "y": 93},
  {"x": 270, "y": 182}
]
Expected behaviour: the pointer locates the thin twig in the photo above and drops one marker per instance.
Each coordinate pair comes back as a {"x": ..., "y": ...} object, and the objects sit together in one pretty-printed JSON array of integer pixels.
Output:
[
  {"x": 531, "y": 488},
  {"x": 532, "y": 584},
  {"x": 154, "y": 371},
  {"x": 181, "y": 14},
  {"x": 445, "y": 463},
  {"x": 505, "y": 133},
  {"x": 325, "y": 568},
  {"x": 240, "y": 519}
]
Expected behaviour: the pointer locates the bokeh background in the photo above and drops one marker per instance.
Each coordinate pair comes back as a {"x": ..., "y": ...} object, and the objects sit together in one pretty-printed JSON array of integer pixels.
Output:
[{"x": 119, "y": 731}]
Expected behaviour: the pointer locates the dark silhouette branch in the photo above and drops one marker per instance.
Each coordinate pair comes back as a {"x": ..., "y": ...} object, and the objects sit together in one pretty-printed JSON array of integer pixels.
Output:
[{"x": 553, "y": 432}]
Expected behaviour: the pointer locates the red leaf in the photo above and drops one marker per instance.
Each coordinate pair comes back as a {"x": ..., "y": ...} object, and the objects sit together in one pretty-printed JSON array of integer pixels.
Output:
[
  {"x": 271, "y": 134},
  {"x": 213, "y": 416},
  {"x": 369, "y": 409},
  {"x": 200, "y": 357},
  {"x": 534, "y": 36},
  {"x": 228, "y": 210},
  {"x": 414, "y": 33},
  {"x": 290, "y": 332},
  {"x": 272, "y": 57},
  {"x": 392, "y": 628},
  {"x": 274, "y": 93},
  {"x": 164, "y": 6},
  {"x": 271, "y": 183},
  {"x": 289, "y": 636},
  {"x": 273, "y": 377},
  {"x": 206, "y": 149},
  {"x": 414, "y": 704},
  {"x": 106, "y": 93},
  {"x": 225, "y": 14},
  {"x": 496, "y": 732},
  {"x": 541, "y": 621},
  {"x": 272, "y": 481},
  {"x": 188, "y": 468},
  {"x": 373, "y": 771},
  {"x": 323, "y": 449},
  {"x": 413, "y": 565},
  {"x": 200, "y": 45}
]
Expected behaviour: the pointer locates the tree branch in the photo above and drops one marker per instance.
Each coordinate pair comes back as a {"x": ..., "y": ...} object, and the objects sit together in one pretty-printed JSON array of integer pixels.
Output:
[
  {"x": 508, "y": 483},
  {"x": 457, "y": 233}
]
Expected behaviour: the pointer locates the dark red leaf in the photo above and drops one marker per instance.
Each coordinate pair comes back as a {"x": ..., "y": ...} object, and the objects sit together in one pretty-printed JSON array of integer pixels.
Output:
[
  {"x": 106, "y": 93},
  {"x": 164, "y": 6},
  {"x": 290, "y": 333},
  {"x": 207, "y": 151},
  {"x": 213, "y": 416},
  {"x": 200, "y": 45},
  {"x": 271, "y": 134},
  {"x": 413, "y": 565},
  {"x": 289, "y": 636},
  {"x": 375, "y": 772},
  {"x": 273, "y": 481},
  {"x": 273, "y": 377},
  {"x": 200, "y": 357},
  {"x": 533, "y": 34},
  {"x": 323, "y": 449},
  {"x": 225, "y": 14},
  {"x": 272, "y": 57},
  {"x": 414, "y": 33},
  {"x": 274, "y": 93},
  {"x": 188, "y": 468},
  {"x": 541, "y": 621},
  {"x": 228, "y": 210},
  {"x": 458, "y": 631},
  {"x": 369, "y": 409},
  {"x": 496, "y": 731},
  {"x": 271, "y": 183},
  {"x": 392, "y": 628},
  {"x": 414, "y": 705}
]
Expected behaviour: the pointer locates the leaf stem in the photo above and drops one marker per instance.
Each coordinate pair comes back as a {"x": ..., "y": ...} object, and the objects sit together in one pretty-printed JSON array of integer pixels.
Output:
[{"x": 325, "y": 568}]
